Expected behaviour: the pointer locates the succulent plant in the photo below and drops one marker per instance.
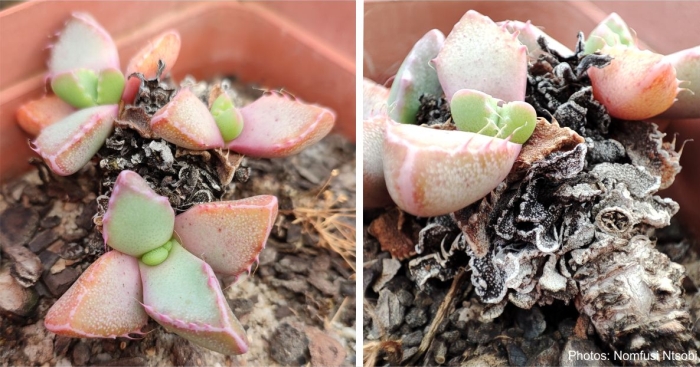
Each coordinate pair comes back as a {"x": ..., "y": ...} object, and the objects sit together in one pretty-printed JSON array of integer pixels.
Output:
[
  {"x": 431, "y": 172},
  {"x": 164, "y": 266},
  {"x": 639, "y": 84},
  {"x": 84, "y": 73}
]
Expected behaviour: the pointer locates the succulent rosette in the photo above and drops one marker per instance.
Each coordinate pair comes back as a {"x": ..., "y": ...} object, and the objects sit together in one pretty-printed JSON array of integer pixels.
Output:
[
  {"x": 164, "y": 266},
  {"x": 481, "y": 69},
  {"x": 85, "y": 76}
]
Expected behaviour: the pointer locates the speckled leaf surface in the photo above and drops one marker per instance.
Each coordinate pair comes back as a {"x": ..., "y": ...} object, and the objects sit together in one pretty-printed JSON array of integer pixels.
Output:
[
  {"x": 69, "y": 144},
  {"x": 480, "y": 55},
  {"x": 186, "y": 122},
  {"x": 35, "y": 115},
  {"x": 137, "y": 219},
  {"x": 228, "y": 235},
  {"x": 374, "y": 192},
  {"x": 415, "y": 78},
  {"x": 83, "y": 43},
  {"x": 374, "y": 99},
  {"x": 105, "y": 302},
  {"x": 687, "y": 64},
  {"x": 433, "y": 172},
  {"x": 636, "y": 85},
  {"x": 276, "y": 125},
  {"x": 184, "y": 296}
]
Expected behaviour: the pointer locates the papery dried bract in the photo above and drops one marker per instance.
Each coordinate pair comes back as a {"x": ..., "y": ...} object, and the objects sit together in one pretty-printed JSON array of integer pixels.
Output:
[
  {"x": 228, "y": 235},
  {"x": 83, "y": 43},
  {"x": 636, "y": 85},
  {"x": 374, "y": 193},
  {"x": 69, "y": 144},
  {"x": 186, "y": 122},
  {"x": 480, "y": 55},
  {"x": 277, "y": 125},
  {"x": 165, "y": 47},
  {"x": 528, "y": 35},
  {"x": 432, "y": 172},
  {"x": 184, "y": 296},
  {"x": 137, "y": 219},
  {"x": 35, "y": 115},
  {"x": 687, "y": 65},
  {"x": 105, "y": 302},
  {"x": 415, "y": 78}
]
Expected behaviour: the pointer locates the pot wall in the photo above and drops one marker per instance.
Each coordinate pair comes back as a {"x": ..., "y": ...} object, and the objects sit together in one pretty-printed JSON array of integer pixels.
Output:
[{"x": 258, "y": 42}]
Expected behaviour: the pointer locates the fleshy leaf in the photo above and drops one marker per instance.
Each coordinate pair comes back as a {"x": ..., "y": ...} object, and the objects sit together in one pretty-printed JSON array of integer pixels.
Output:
[
  {"x": 227, "y": 117},
  {"x": 110, "y": 86},
  {"x": 105, "y": 302},
  {"x": 83, "y": 44},
  {"x": 277, "y": 125},
  {"x": 165, "y": 47},
  {"x": 186, "y": 122},
  {"x": 687, "y": 64},
  {"x": 137, "y": 219},
  {"x": 415, "y": 78},
  {"x": 184, "y": 296},
  {"x": 528, "y": 35},
  {"x": 69, "y": 144},
  {"x": 40, "y": 113},
  {"x": 374, "y": 193},
  {"x": 480, "y": 113},
  {"x": 78, "y": 88},
  {"x": 432, "y": 172},
  {"x": 612, "y": 31},
  {"x": 374, "y": 99},
  {"x": 228, "y": 235},
  {"x": 480, "y": 55},
  {"x": 636, "y": 84}
]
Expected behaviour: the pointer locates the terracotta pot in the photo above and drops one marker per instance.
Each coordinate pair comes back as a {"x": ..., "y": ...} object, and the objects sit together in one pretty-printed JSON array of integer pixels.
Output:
[
  {"x": 276, "y": 45},
  {"x": 391, "y": 29}
]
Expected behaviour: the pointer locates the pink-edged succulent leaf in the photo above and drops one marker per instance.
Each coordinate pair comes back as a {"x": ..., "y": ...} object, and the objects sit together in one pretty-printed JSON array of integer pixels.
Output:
[
  {"x": 374, "y": 194},
  {"x": 105, "y": 302},
  {"x": 228, "y": 118},
  {"x": 687, "y": 65},
  {"x": 186, "y": 122},
  {"x": 184, "y": 296},
  {"x": 636, "y": 85},
  {"x": 433, "y": 172},
  {"x": 612, "y": 31},
  {"x": 35, "y": 115},
  {"x": 228, "y": 235},
  {"x": 165, "y": 47},
  {"x": 137, "y": 219},
  {"x": 480, "y": 113},
  {"x": 480, "y": 55},
  {"x": 277, "y": 125},
  {"x": 528, "y": 35},
  {"x": 374, "y": 99},
  {"x": 69, "y": 144},
  {"x": 83, "y": 44},
  {"x": 415, "y": 78}
]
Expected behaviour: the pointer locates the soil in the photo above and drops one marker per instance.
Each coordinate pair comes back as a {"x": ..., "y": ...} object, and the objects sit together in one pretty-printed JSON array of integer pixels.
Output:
[{"x": 297, "y": 306}]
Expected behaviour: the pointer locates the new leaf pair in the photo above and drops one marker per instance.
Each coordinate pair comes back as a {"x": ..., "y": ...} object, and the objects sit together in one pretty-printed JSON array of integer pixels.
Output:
[{"x": 164, "y": 266}]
